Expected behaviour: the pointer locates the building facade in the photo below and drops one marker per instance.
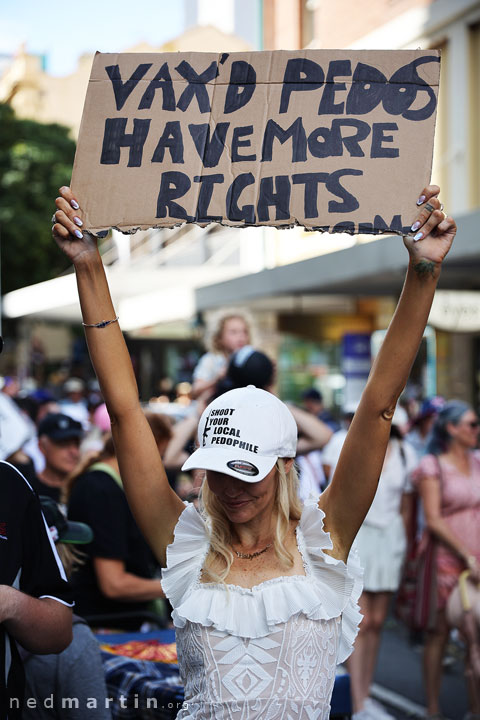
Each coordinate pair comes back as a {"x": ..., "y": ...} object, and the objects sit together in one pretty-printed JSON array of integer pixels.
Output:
[
  {"x": 312, "y": 338},
  {"x": 310, "y": 297}
]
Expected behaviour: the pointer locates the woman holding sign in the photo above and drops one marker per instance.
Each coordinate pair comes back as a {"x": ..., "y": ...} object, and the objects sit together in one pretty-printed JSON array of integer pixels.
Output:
[{"x": 264, "y": 592}]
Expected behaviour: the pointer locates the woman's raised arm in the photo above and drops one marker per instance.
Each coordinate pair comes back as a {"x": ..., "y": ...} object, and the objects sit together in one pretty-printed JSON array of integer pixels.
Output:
[
  {"x": 350, "y": 494},
  {"x": 155, "y": 505}
]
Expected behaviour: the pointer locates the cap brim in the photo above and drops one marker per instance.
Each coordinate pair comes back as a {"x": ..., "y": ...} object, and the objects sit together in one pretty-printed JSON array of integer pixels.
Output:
[
  {"x": 243, "y": 465},
  {"x": 66, "y": 435},
  {"x": 77, "y": 534}
]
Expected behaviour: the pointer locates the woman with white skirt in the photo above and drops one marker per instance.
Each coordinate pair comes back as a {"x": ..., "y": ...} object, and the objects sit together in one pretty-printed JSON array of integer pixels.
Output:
[{"x": 381, "y": 545}]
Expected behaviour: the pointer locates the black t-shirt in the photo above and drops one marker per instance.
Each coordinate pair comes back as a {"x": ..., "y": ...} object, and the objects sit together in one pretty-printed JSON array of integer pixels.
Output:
[
  {"x": 98, "y": 500},
  {"x": 42, "y": 489},
  {"x": 28, "y": 472},
  {"x": 28, "y": 562}
]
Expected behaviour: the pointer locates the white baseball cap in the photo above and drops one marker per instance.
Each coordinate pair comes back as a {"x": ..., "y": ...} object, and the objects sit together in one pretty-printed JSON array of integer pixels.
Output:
[{"x": 243, "y": 433}]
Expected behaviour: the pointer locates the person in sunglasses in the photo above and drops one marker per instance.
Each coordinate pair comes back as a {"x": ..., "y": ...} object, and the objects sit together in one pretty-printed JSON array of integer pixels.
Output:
[
  {"x": 448, "y": 479},
  {"x": 264, "y": 589}
]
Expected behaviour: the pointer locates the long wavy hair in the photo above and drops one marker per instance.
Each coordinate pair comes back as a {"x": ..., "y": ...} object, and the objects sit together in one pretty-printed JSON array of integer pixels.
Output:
[
  {"x": 216, "y": 337},
  {"x": 451, "y": 413},
  {"x": 287, "y": 508}
]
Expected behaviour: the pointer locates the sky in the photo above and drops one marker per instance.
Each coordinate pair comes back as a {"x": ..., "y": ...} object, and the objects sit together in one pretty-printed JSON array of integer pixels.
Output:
[{"x": 64, "y": 30}]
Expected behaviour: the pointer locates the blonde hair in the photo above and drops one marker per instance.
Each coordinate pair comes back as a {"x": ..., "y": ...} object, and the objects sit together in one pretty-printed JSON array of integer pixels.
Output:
[
  {"x": 287, "y": 507},
  {"x": 216, "y": 338},
  {"x": 70, "y": 557}
]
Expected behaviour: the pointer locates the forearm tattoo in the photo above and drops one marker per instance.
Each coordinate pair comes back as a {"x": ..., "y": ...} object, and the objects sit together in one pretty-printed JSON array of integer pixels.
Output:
[{"x": 425, "y": 268}]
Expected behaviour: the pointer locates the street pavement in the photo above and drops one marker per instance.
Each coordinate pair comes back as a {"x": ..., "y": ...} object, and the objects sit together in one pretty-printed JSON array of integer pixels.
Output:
[{"x": 398, "y": 678}]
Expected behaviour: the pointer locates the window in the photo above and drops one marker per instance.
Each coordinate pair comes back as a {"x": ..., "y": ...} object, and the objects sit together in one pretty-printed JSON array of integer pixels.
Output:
[{"x": 474, "y": 116}]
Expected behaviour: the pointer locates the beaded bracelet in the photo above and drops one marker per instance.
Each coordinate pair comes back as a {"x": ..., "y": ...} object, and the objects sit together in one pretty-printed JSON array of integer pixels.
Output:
[{"x": 100, "y": 324}]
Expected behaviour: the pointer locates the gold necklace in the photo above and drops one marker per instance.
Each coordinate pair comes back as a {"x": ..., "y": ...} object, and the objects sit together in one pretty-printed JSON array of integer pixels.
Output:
[{"x": 250, "y": 556}]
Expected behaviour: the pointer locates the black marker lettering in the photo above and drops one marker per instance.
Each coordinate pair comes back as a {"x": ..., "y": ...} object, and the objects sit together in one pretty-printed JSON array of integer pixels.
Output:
[
  {"x": 345, "y": 226},
  {"x": 173, "y": 186},
  {"x": 162, "y": 81},
  {"x": 172, "y": 139},
  {"x": 242, "y": 75},
  {"x": 395, "y": 226},
  {"x": 205, "y": 196},
  {"x": 296, "y": 131},
  {"x": 239, "y": 132},
  {"x": 279, "y": 199},
  {"x": 310, "y": 180},
  {"x": 327, "y": 103},
  {"x": 115, "y": 138},
  {"x": 350, "y": 202},
  {"x": 366, "y": 228},
  {"x": 234, "y": 212},
  {"x": 122, "y": 89},
  {"x": 301, "y": 75},
  {"x": 402, "y": 90},
  {"x": 196, "y": 85},
  {"x": 378, "y": 138},
  {"x": 320, "y": 148},
  {"x": 351, "y": 142},
  {"x": 368, "y": 85},
  {"x": 209, "y": 151}
]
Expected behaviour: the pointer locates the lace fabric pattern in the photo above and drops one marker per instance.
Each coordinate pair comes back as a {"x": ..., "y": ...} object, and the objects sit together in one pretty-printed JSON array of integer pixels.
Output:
[
  {"x": 286, "y": 675},
  {"x": 266, "y": 652}
]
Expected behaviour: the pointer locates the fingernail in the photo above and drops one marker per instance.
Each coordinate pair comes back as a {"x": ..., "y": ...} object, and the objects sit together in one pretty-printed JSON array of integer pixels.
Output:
[
  {"x": 415, "y": 226},
  {"x": 79, "y": 235},
  {"x": 78, "y": 222},
  {"x": 74, "y": 204},
  {"x": 417, "y": 237},
  {"x": 420, "y": 200}
]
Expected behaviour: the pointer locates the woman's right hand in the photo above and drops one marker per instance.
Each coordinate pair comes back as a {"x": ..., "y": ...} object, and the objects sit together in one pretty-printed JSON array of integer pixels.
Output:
[{"x": 76, "y": 243}]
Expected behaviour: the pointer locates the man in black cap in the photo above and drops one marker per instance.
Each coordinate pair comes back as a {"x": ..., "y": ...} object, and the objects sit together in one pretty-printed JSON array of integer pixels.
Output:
[
  {"x": 59, "y": 440},
  {"x": 313, "y": 403}
]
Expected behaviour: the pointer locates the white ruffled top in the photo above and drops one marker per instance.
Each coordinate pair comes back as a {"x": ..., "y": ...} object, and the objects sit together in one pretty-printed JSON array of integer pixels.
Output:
[
  {"x": 330, "y": 588},
  {"x": 269, "y": 651}
]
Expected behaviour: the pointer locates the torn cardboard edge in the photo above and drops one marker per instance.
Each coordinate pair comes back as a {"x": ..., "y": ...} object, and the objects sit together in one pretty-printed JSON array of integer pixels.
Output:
[
  {"x": 322, "y": 229},
  {"x": 110, "y": 152}
]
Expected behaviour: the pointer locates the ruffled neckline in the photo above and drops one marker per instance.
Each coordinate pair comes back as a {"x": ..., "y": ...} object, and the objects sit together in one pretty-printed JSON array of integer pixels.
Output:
[
  {"x": 272, "y": 581},
  {"x": 329, "y": 589}
]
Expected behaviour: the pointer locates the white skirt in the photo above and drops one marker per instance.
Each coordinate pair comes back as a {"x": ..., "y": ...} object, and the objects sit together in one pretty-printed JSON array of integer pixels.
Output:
[{"x": 382, "y": 553}]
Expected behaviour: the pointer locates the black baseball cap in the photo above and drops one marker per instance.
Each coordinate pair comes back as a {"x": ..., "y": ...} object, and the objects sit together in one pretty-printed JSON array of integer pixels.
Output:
[
  {"x": 57, "y": 426},
  {"x": 61, "y": 529},
  {"x": 312, "y": 394}
]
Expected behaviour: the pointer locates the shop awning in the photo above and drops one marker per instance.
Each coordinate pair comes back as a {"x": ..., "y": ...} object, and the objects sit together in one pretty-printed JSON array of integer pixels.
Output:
[
  {"x": 375, "y": 268},
  {"x": 152, "y": 287}
]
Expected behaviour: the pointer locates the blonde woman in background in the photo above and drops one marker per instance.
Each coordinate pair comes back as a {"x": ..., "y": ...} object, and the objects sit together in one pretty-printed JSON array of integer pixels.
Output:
[{"x": 231, "y": 333}]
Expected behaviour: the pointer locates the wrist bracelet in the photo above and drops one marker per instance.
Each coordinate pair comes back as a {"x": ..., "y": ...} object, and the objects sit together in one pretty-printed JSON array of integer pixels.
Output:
[{"x": 100, "y": 324}]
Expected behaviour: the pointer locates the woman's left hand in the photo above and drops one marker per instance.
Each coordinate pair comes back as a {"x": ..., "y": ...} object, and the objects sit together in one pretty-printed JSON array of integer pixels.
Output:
[{"x": 432, "y": 230}]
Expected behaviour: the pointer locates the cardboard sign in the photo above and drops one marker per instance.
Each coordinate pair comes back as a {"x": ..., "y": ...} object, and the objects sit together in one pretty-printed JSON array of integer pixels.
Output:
[{"x": 333, "y": 140}]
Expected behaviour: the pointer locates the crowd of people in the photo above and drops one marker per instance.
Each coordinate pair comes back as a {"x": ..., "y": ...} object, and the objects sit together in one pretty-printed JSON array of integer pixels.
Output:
[{"x": 281, "y": 536}]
